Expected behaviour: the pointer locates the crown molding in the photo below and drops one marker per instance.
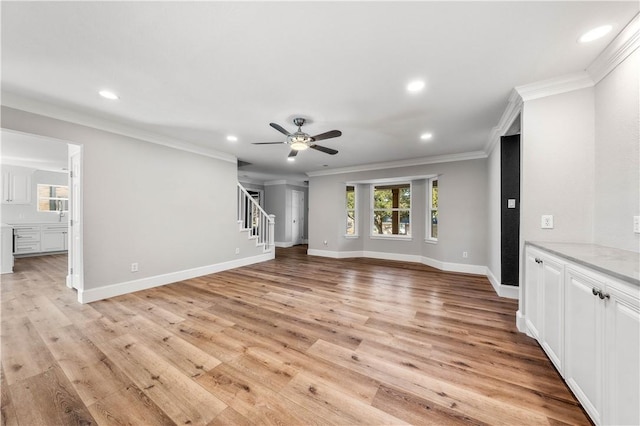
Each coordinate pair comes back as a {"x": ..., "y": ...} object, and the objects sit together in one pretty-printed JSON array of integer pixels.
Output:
[
  {"x": 617, "y": 51},
  {"x": 34, "y": 106},
  {"x": 285, "y": 182},
  {"x": 474, "y": 155},
  {"x": 514, "y": 108},
  {"x": 555, "y": 86}
]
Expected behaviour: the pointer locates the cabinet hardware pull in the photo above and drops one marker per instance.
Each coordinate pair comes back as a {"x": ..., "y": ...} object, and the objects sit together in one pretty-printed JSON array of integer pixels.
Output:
[
  {"x": 603, "y": 295},
  {"x": 595, "y": 291},
  {"x": 538, "y": 260}
]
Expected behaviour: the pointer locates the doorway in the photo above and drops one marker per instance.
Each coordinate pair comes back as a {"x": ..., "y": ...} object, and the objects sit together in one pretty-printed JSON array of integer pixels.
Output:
[
  {"x": 297, "y": 217},
  {"x": 510, "y": 209},
  {"x": 52, "y": 205}
]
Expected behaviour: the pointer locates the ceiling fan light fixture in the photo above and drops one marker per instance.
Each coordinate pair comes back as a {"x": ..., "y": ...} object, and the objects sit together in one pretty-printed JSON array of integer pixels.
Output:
[
  {"x": 299, "y": 141},
  {"x": 299, "y": 145},
  {"x": 291, "y": 159}
]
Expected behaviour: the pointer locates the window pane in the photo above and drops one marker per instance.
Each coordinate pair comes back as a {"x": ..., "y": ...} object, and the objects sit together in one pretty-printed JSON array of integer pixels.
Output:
[
  {"x": 434, "y": 224},
  {"x": 351, "y": 197},
  {"x": 53, "y": 198},
  {"x": 405, "y": 197},
  {"x": 381, "y": 222},
  {"x": 351, "y": 223},
  {"x": 434, "y": 194}
]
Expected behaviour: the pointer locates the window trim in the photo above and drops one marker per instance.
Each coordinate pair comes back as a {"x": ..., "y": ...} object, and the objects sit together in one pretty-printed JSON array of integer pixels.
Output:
[
  {"x": 372, "y": 210},
  {"x": 429, "y": 204},
  {"x": 38, "y": 198},
  {"x": 356, "y": 218}
]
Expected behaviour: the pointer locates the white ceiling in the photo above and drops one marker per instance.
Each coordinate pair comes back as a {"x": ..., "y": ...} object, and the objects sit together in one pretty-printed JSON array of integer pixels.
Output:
[{"x": 199, "y": 71}]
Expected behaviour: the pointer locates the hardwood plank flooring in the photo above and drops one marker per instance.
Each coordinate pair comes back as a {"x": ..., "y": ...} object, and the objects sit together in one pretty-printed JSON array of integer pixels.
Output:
[{"x": 298, "y": 340}]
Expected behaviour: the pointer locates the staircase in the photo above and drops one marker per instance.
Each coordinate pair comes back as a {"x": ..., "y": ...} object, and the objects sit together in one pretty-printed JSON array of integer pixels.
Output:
[{"x": 255, "y": 221}]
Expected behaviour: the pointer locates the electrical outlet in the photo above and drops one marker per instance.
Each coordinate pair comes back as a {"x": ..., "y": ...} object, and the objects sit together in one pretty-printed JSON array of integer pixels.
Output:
[
  {"x": 636, "y": 224},
  {"x": 547, "y": 221},
  {"x": 134, "y": 267},
  {"x": 465, "y": 254},
  {"x": 237, "y": 251}
]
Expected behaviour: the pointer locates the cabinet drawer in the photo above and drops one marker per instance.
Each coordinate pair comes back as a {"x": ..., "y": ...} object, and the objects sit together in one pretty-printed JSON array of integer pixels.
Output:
[
  {"x": 27, "y": 237},
  {"x": 56, "y": 228},
  {"x": 20, "y": 229},
  {"x": 27, "y": 247}
]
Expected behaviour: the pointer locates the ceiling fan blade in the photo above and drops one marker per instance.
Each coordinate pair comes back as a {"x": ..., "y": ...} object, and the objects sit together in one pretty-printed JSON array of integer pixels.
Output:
[
  {"x": 279, "y": 128},
  {"x": 324, "y": 149},
  {"x": 293, "y": 153},
  {"x": 265, "y": 143},
  {"x": 327, "y": 135}
]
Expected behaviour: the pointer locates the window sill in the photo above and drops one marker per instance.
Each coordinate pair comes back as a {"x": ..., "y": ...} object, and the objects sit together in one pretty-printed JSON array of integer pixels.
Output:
[
  {"x": 430, "y": 241},
  {"x": 391, "y": 237}
]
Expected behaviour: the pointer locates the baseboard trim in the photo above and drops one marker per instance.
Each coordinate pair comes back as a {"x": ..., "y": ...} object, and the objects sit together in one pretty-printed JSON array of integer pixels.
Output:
[
  {"x": 281, "y": 244},
  {"x": 443, "y": 266},
  {"x": 507, "y": 291},
  {"x": 521, "y": 323},
  {"x": 95, "y": 294}
]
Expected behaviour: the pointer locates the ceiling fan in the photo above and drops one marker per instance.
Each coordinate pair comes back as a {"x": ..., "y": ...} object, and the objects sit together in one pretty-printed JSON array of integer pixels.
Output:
[{"x": 299, "y": 141}]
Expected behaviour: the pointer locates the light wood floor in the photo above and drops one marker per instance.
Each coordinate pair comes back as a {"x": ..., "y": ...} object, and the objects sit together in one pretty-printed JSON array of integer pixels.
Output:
[{"x": 295, "y": 341}]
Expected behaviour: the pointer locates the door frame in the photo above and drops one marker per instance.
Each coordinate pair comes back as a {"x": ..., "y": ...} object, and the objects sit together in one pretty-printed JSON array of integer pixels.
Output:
[
  {"x": 75, "y": 270},
  {"x": 300, "y": 196}
]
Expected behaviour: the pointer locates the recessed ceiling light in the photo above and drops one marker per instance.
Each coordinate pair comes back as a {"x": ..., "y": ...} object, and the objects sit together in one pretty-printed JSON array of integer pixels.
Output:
[
  {"x": 426, "y": 136},
  {"x": 595, "y": 33},
  {"x": 232, "y": 138},
  {"x": 108, "y": 94},
  {"x": 415, "y": 86},
  {"x": 291, "y": 159}
]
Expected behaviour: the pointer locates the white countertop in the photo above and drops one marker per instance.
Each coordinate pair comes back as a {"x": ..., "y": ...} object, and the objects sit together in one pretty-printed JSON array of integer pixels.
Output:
[{"x": 621, "y": 264}]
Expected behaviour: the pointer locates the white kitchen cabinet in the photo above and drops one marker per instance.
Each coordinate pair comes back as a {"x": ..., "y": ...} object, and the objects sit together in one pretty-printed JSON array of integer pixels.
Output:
[
  {"x": 587, "y": 320},
  {"x": 40, "y": 238},
  {"x": 16, "y": 188},
  {"x": 54, "y": 238},
  {"x": 622, "y": 355},
  {"x": 544, "y": 298},
  {"x": 6, "y": 252},
  {"x": 584, "y": 343},
  {"x": 27, "y": 239}
]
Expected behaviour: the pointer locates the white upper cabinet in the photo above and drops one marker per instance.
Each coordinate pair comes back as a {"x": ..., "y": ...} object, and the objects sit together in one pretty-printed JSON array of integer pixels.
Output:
[{"x": 16, "y": 188}]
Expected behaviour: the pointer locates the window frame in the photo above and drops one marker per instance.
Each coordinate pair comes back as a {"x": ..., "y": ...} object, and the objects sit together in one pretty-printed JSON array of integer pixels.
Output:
[
  {"x": 354, "y": 210},
  {"x": 430, "y": 209},
  {"x": 372, "y": 235},
  {"x": 39, "y": 198}
]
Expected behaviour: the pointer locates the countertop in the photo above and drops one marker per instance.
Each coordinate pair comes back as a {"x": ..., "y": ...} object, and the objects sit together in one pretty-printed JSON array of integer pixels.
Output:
[{"x": 621, "y": 264}]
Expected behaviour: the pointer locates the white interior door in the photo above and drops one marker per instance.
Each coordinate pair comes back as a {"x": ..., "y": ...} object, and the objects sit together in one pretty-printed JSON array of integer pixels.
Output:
[
  {"x": 75, "y": 277},
  {"x": 297, "y": 217}
]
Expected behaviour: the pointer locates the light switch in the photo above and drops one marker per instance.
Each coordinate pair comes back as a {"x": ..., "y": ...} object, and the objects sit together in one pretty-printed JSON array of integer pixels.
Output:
[
  {"x": 511, "y": 203},
  {"x": 547, "y": 221},
  {"x": 636, "y": 224}
]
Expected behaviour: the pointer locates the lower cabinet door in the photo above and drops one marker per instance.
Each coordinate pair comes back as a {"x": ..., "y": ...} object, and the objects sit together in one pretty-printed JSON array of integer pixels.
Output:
[
  {"x": 553, "y": 311},
  {"x": 53, "y": 241},
  {"x": 584, "y": 315},
  {"x": 622, "y": 367}
]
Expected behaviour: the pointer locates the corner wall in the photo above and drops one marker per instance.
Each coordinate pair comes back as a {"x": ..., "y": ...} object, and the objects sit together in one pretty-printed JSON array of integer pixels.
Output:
[
  {"x": 462, "y": 216},
  {"x": 171, "y": 211},
  {"x": 617, "y": 156}
]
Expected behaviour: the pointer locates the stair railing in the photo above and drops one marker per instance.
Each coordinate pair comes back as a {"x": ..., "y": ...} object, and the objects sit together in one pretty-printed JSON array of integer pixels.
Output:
[{"x": 254, "y": 219}]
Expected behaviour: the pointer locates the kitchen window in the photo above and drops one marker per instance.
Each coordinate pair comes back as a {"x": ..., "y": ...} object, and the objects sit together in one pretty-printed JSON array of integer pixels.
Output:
[
  {"x": 352, "y": 230},
  {"x": 391, "y": 210},
  {"x": 53, "y": 198},
  {"x": 432, "y": 208}
]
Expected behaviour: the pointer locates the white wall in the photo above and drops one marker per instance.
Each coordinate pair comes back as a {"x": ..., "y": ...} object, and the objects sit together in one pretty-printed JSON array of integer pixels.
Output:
[
  {"x": 462, "y": 213},
  {"x": 25, "y": 213},
  {"x": 617, "y": 169},
  {"x": 167, "y": 209},
  {"x": 557, "y": 149},
  {"x": 278, "y": 202}
]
